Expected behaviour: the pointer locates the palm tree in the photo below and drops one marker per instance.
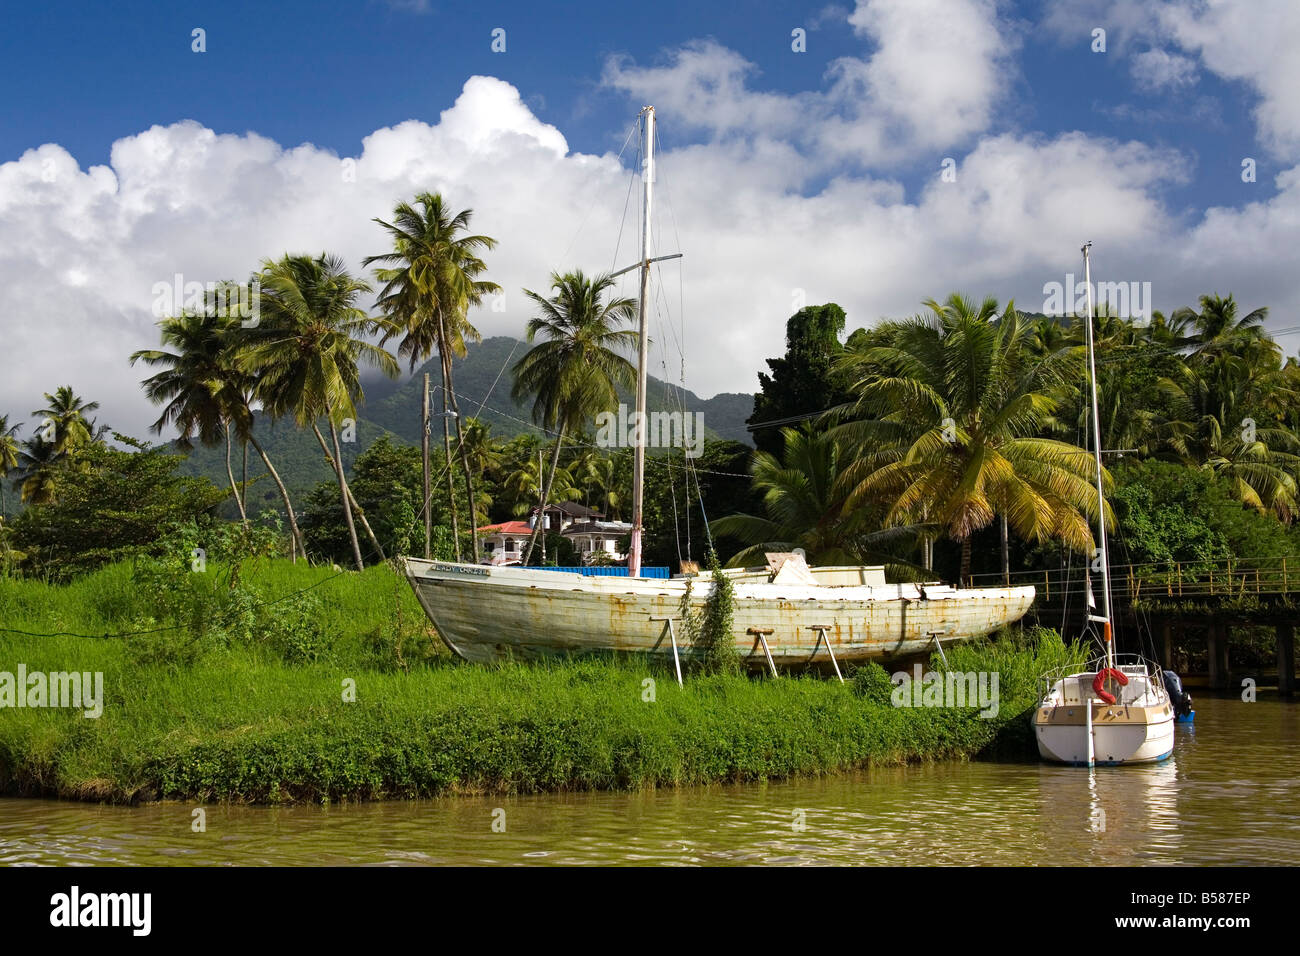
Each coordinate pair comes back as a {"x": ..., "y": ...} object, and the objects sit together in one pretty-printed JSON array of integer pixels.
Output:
[
  {"x": 574, "y": 373},
  {"x": 197, "y": 384},
  {"x": 600, "y": 475},
  {"x": 208, "y": 394},
  {"x": 482, "y": 451},
  {"x": 803, "y": 503},
  {"x": 1127, "y": 417},
  {"x": 66, "y": 412},
  {"x": 948, "y": 437},
  {"x": 431, "y": 278},
  {"x": 306, "y": 350},
  {"x": 1215, "y": 397},
  {"x": 482, "y": 455},
  {"x": 9, "y": 451},
  {"x": 523, "y": 483},
  {"x": 39, "y": 463},
  {"x": 242, "y": 394},
  {"x": 1216, "y": 328}
]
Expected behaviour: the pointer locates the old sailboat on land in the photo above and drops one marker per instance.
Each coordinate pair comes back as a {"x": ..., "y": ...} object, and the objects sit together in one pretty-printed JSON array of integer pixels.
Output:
[
  {"x": 785, "y": 615},
  {"x": 1116, "y": 710}
]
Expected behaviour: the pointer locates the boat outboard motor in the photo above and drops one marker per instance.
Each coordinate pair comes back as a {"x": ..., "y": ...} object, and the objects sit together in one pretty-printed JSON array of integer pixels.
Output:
[{"x": 1181, "y": 700}]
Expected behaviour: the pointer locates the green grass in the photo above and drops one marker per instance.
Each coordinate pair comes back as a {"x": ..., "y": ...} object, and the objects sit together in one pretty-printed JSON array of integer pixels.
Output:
[{"x": 239, "y": 723}]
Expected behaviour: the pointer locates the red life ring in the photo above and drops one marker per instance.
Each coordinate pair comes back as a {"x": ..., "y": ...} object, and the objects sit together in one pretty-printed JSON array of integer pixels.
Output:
[{"x": 1099, "y": 683}]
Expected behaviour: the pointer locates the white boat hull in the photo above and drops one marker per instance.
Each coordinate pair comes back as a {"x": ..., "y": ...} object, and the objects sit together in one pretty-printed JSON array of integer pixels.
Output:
[
  {"x": 1137, "y": 728},
  {"x": 499, "y": 613}
]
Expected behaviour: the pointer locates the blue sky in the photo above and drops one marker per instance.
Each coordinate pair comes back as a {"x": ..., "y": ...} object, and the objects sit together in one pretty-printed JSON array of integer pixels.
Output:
[
  {"x": 126, "y": 157},
  {"x": 329, "y": 73}
]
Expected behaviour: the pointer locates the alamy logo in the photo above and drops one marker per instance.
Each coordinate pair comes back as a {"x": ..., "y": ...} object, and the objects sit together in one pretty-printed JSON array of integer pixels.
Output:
[
  {"x": 1128, "y": 300},
  {"x": 103, "y": 909},
  {"x": 626, "y": 429},
  {"x": 82, "y": 691},
  {"x": 946, "y": 689}
]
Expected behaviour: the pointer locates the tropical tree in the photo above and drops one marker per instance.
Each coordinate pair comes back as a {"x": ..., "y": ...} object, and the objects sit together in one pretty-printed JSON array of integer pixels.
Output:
[
  {"x": 806, "y": 380},
  {"x": 10, "y": 449},
  {"x": 197, "y": 384},
  {"x": 950, "y": 438},
  {"x": 39, "y": 464},
  {"x": 1217, "y": 328},
  {"x": 1228, "y": 405},
  {"x": 208, "y": 394},
  {"x": 803, "y": 501},
  {"x": 573, "y": 374},
  {"x": 483, "y": 455},
  {"x": 66, "y": 412},
  {"x": 306, "y": 349},
  {"x": 431, "y": 278},
  {"x": 523, "y": 484},
  {"x": 600, "y": 476}
]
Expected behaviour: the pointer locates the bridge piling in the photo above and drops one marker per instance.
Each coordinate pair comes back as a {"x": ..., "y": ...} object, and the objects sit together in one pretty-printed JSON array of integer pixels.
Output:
[
  {"x": 1216, "y": 645},
  {"x": 1285, "y": 632}
]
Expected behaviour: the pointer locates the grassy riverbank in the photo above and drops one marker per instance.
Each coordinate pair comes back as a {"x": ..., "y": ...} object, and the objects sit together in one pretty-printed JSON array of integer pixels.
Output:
[{"x": 256, "y": 711}]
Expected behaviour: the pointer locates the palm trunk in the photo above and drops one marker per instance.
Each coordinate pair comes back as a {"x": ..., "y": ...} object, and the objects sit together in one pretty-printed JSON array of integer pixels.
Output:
[
  {"x": 295, "y": 536},
  {"x": 965, "y": 560},
  {"x": 230, "y": 474},
  {"x": 243, "y": 486},
  {"x": 1006, "y": 555},
  {"x": 356, "y": 508},
  {"x": 446, "y": 439},
  {"x": 464, "y": 461},
  {"x": 546, "y": 494},
  {"x": 343, "y": 491}
]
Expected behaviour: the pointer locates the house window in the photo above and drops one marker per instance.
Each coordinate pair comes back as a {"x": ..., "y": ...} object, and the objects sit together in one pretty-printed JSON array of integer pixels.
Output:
[{"x": 510, "y": 544}]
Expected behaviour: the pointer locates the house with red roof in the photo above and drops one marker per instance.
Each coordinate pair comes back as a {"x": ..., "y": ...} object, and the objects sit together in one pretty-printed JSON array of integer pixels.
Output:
[{"x": 504, "y": 543}]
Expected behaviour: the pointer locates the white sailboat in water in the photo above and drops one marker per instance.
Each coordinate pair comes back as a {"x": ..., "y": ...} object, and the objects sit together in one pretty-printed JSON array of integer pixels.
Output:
[
  {"x": 785, "y": 615},
  {"x": 1117, "y": 710}
]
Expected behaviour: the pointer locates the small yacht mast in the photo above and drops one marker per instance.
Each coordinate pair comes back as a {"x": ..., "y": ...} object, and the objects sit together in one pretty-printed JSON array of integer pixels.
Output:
[{"x": 1104, "y": 617}]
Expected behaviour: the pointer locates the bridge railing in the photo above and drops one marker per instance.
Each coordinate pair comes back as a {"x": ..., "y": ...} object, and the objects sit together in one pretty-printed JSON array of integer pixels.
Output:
[{"x": 1224, "y": 578}]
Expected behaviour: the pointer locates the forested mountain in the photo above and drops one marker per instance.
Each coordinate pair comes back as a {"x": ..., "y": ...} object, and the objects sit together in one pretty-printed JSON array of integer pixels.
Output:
[{"x": 483, "y": 384}]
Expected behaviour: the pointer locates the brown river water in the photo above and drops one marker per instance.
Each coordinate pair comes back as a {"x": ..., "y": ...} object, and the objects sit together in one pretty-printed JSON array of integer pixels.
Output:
[{"x": 1229, "y": 794}]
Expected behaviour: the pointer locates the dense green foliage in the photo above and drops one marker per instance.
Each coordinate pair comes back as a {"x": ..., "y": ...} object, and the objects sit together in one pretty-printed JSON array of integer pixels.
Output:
[
  {"x": 1169, "y": 513},
  {"x": 115, "y": 502},
  {"x": 806, "y": 380}
]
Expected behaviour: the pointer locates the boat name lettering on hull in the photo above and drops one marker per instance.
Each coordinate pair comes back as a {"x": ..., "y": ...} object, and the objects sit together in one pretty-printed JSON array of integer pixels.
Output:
[{"x": 458, "y": 569}]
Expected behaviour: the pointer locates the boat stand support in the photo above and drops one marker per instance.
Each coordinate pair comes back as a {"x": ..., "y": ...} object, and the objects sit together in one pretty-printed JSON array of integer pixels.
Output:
[
  {"x": 761, "y": 633},
  {"x": 821, "y": 630},
  {"x": 934, "y": 635},
  {"x": 672, "y": 636}
]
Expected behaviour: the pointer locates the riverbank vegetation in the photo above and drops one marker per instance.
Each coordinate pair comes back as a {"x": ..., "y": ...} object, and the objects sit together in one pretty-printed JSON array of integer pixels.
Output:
[{"x": 321, "y": 702}]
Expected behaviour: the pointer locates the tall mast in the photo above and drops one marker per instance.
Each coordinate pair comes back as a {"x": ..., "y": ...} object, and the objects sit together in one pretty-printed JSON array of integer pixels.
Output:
[
  {"x": 1104, "y": 617},
  {"x": 638, "y": 467}
]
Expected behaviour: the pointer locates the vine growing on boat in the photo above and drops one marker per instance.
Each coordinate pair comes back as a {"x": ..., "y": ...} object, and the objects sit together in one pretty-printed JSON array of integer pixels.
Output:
[
  {"x": 708, "y": 631},
  {"x": 715, "y": 631}
]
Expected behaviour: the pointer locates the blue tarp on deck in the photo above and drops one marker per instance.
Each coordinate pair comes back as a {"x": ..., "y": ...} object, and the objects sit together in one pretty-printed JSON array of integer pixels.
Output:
[{"x": 614, "y": 571}]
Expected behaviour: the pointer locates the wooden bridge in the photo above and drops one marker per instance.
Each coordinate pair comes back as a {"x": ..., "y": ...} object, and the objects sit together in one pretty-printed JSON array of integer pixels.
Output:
[{"x": 1182, "y": 596}]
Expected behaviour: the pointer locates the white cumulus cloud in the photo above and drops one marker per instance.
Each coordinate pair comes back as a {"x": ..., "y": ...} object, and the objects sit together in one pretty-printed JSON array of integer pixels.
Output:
[{"x": 80, "y": 249}]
